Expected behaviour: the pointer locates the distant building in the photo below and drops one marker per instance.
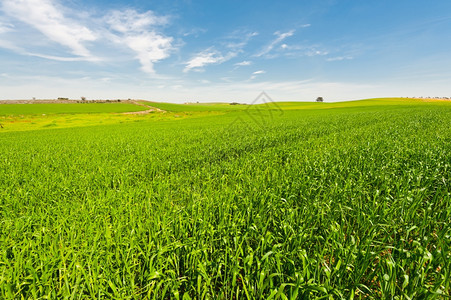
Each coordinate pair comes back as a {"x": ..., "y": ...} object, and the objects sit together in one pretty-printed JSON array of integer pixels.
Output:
[{"x": 319, "y": 99}]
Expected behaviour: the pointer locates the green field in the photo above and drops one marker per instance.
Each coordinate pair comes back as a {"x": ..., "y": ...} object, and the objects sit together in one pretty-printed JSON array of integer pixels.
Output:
[
  {"x": 197, "y": 107},
  {"x": 347, "y": 200},
  {"x": 66, "y": 108}
]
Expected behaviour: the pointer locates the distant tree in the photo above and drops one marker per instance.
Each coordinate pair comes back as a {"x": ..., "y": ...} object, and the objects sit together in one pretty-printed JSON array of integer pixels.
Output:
[
  {"x": 83, "y": 98},
  {"x": 319, "y": 99}
]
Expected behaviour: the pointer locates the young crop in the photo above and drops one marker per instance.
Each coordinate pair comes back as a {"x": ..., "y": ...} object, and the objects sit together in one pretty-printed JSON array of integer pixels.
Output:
[{"x": 351, "y": 202}]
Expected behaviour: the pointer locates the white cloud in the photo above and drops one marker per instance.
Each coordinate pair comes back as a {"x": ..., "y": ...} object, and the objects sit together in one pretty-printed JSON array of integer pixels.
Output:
[
  {"x": 299, "y": 50},
  {"x": 137, "y": 32},
  {"x": 10, "y": 46},
  {"x": 46, "y": 17},
  {"x": 129, "y": 28},
  {"x": 132, "y": 21},
  {"x": 305, "y": 25},
  {"x": 240, "y": 39},
  {"x": 339, "y": 58},
  {"x": 254, "y": 75},
  {"x": 233, "y": 44},
  {"x": 150, "y": 47},
  {"x": 315, "y": 52},
  {"x": 207, "y": 57},
  {"x": 4, "y": 27},
  {"x": 243, "y": 63},
  {"x": 195, "y": 32},
  {"x": 62, "y": 58},
  {"x": 279, "y": 39}
]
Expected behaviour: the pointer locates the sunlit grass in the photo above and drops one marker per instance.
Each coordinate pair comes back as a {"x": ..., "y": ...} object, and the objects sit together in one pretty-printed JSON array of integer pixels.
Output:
[
  {"x": 347, "y": 202},
  {"x": 66, "y": 108},
  {"x": 63, "y": 120}
]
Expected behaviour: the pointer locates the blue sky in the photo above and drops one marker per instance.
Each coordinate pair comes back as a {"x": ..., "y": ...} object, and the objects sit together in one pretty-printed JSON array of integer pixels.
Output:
[{"x": 182, "y": 50}]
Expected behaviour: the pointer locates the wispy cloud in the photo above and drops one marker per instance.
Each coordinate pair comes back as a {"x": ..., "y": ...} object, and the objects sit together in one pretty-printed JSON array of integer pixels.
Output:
[
  {"x": 315, "y": 52},
  {"x": 207, "y": 57},
  {"x": 243, "y": 63},
  {"x": 5, "y": 27},
  {"x": 194, "y": 32},
  {"x": 9, "y": 45},
  {"x": 19, "y": 50},
  {"x": 137, "y": 31},
  {"x": 62, "y": 58},
  {"x": 132, "y": 21},
  {"x": 339, "y": 58},
  {"x": 46, "y": 17},
  {"x": 256, "y": 73},
  {"x": 275, "y": 42},
  {"x": 300, "y": 50},
  {"x": 239, "y": 39},
  {"x": 231, "y": 46},
  {"x": 125, "y": 29}
]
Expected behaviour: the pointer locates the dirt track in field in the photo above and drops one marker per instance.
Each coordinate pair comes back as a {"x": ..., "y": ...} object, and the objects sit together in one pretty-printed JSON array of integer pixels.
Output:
[{"x": 143, "y": 112}]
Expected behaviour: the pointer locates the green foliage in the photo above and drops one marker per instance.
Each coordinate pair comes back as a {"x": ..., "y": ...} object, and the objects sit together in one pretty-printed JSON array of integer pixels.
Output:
[{"x": 301, "y": 203}]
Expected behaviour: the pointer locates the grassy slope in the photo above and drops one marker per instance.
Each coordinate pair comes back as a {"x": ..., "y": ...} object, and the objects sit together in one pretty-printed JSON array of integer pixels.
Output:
[
  {"x": 376, "y": 102},
  {"x": 23, "y": 117},
  {"x": 59, "y": 108},
  {"x": 300, "y": 202},
  {"x": 196, "y": 107}
]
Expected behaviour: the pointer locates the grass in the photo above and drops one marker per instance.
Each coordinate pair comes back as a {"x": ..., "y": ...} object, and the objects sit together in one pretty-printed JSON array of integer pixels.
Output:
[
  {"x": 26, "y": 117},
  {"x": 345, "y": 202},
  {"x": 66, "y": 108},
  {"x": 196, "y": 107},
  {"x": 39, "y": 122}
]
